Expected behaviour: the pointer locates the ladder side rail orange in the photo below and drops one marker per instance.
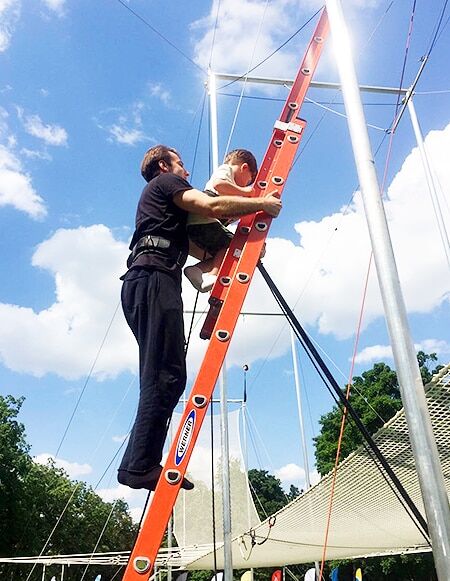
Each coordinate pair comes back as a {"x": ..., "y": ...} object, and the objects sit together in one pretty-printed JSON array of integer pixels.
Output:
[
  {"x": 242, "y": 258},
  {"x": 290, "y": 110}
]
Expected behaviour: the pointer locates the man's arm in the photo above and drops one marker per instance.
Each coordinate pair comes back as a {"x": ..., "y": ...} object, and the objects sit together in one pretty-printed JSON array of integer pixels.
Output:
[{"x": 198, "y": 202}]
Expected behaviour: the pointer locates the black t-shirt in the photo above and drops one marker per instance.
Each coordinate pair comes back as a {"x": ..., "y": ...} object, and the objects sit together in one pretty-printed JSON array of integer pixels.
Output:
[{"x": 158, "y": 215}]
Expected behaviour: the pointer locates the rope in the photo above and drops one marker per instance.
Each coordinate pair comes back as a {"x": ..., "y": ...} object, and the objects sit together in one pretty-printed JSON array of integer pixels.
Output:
[
  {"x": 331, "y": 383},
  {"x": 191, "y": 326},
  {"x": 97, "y": 447},
  {"x": 99, "y": 539},
  {"x": 405, "y": 59},
  {"x": 153, "y": 29},
  {"x": 238, "y": 107},
  {"x": 437, "y": 33},
  {"x": 340, "y": 114},
  {"x": 87, "y": 380},
  {"x": 272, "y": 53},
  {"x": 214, "y": 34},
  {"x": 343, "y": 420}
]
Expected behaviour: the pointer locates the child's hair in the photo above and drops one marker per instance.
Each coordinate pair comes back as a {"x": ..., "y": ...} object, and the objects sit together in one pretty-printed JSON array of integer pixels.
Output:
[{"x": 243, "y": 156}]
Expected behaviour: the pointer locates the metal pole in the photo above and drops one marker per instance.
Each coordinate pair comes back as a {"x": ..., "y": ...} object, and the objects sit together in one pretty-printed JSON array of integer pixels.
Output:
[
  {"x": 169, "y": 546},
  {"x": 213, "y": 119},
  {"x": 228, "y": 559},
  {"x": 62, "y": 573},
  {"x": 430, "y": 180},
  {"x": 300, "y": 412},
  {"x": 420, "y": 432},
  {"x": 313, "y": 84},
  {"x": 244, "y": 435}
]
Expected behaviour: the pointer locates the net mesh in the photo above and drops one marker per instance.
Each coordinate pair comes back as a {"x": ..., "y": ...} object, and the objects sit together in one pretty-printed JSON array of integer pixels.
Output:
[{"x": 367, "y": 518}]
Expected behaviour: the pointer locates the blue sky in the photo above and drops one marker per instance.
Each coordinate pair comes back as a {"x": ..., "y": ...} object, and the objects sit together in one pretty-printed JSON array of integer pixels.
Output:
[{"x": 86, "y": 88}]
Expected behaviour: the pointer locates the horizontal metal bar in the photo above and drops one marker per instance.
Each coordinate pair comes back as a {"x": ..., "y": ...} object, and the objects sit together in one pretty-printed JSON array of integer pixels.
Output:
[
  {"x": 242, "y": 313},
  {"x": 315, "y": 84}
]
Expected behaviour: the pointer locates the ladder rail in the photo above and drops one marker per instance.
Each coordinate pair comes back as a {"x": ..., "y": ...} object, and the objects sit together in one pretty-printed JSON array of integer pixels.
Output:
[{"x": 226, "y": 301}]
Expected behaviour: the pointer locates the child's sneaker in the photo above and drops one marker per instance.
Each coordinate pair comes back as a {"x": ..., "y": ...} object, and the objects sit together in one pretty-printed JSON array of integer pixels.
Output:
[
  {"x": 195, "y": 276},
  {"x": 200, "y": 281},
  {"x": 208, "y": 281}
]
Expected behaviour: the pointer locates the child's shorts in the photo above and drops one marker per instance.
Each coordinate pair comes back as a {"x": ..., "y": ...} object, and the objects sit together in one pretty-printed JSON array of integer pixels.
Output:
[{"x": 212, "y": 236}]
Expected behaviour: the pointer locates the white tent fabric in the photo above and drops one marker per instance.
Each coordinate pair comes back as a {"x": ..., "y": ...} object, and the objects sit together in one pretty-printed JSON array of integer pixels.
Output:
[
  {"x": 193, "y": 510},
  {"x": 367, "y": 517}
]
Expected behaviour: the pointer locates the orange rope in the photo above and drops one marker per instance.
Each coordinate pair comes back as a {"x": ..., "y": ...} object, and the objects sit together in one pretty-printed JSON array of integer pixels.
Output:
[{"x": 344, "y": 417}]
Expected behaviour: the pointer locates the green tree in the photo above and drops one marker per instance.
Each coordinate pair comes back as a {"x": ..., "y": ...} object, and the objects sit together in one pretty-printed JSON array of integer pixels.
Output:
[
  {"x": 34, "y": 497},
  {"x": 375, "y": 396},
  {"x": 14, "y": 465},
  {"x": 268, "y": 495}
]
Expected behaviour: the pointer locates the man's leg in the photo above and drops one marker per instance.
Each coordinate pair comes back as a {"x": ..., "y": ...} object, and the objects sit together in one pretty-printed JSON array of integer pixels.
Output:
[{"x": 153, "y": 309}]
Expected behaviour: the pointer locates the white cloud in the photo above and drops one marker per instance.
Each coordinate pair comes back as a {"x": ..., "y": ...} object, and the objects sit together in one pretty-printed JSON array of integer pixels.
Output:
[
  {"x": 374, "y": 353},
  {"x": 56, "y": 6},
  {"x": 237, "y": 32},
  {"x": 16, "y": 188},
  {"x": 64, "y": 338},
  {"x": 9, "y": 16},
  {"x": 50, "y": 134},
  {"x": 73, "y": 469},
  {"x": 294, "y": 474},
  {"x": 290, "y": 473},
  {"x": 135, "y": 498},
  {"x": 126, "y": 136},
  {"x": 35, "y": 154},
  {"x": 383, "y": 352},
  {"x": 433, "y": 346},
  {"x": 157, "y": 90},
  {"x": 327, "y": 269},
  {"x": 120, "y": 439},
  {"x": 248, "y": 31},
  {"x": 123, "y": 126}
]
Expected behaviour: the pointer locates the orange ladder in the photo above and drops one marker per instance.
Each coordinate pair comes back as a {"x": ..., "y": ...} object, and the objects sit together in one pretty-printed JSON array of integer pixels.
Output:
[{"x": 226, "y": 301}]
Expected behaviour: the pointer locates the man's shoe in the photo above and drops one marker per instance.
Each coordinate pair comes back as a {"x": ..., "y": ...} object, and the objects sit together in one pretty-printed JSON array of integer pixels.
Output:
[
  {"x": 187, "y": 484},
  {"x": 148, "y": 480}
]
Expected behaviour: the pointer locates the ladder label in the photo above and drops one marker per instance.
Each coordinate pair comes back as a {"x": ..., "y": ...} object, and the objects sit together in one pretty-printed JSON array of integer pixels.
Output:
[{"x": 185, "y": 437}]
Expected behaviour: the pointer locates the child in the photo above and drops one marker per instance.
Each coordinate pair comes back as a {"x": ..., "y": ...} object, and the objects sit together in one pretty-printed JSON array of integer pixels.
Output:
[{"x": 232, "y": 178}]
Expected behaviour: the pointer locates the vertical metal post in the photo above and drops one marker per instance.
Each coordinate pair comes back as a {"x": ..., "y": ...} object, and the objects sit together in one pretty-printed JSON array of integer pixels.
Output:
[
  {"x": 213, "y": 119},
  {"x": 228, "y": 561},
  {"x": 169, "y": 546},
  {"x": 62, "y": 572},
  {"x": 300, "y": 412},
  {"x": 420, "y": 432},
  {"x": 244, "y": 436},
  {"x": 429, "y": 178}
]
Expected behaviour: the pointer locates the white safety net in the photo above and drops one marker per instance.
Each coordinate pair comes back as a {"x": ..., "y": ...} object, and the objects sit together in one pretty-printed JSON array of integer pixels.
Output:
[
  {"x": 193, "y": 522},
  {"x": 367, "y": 517}
]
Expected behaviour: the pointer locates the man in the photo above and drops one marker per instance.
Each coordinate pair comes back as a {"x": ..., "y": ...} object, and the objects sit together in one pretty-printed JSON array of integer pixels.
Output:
[{"x": 151, "y": 300}]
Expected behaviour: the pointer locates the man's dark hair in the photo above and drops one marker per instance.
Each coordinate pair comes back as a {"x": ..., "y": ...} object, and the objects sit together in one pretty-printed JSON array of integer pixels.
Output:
[
  {"x": 150, "y": 164},
  {"x": 243, "y": 156}
]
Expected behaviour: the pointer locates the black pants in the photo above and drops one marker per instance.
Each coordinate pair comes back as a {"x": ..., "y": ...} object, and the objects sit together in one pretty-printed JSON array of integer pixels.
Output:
[{"x": 151, "y": 302}]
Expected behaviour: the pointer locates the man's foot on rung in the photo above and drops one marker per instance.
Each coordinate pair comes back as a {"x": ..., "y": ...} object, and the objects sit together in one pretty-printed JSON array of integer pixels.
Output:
[{"x": 147, "y": 480}]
